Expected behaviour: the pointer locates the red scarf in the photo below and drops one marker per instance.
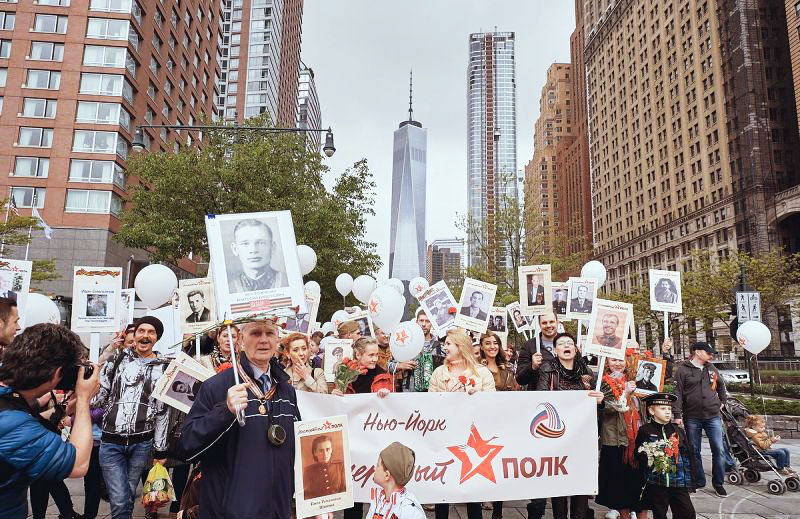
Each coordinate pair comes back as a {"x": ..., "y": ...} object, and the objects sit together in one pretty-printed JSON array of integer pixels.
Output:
[{"x": 631, "y": 418}]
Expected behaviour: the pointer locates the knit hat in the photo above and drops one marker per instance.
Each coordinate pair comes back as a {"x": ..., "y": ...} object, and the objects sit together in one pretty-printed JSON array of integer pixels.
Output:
[
  {"x": 347, "y": 327},
  {"x": 399, "y": 462},
  {"x": 155, "y": 322}
]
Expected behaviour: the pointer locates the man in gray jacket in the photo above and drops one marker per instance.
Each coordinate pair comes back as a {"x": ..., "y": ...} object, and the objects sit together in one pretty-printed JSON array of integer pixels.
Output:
[{"x": 701, "y": 392}]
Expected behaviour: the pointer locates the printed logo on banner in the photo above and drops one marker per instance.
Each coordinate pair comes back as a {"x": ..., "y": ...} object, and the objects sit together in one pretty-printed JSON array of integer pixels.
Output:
[
  {"x": 478, "y": 460},
  {"x": 547, "y": 423}
]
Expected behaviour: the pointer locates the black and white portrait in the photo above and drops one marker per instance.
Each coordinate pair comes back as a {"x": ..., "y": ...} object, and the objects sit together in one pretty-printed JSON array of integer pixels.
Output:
[
  {"x": 96, "y": 305},
  {"x": 475, "y": 305},
  {"x": 560, "y": 294},
  {"x": 253, "y": 252},
  {"x": 535, "y": 293},
  {"x": 582, "y": 293},
  {"x": 516, "y": 317},
  {"x": 665, "y": 291},
  {"x": 196, "y": 310},
  {"x": 7, "y": 286},
  {"x": 649, "y": 375},
  {"x": 477, "y": 300},
  {"x": 497, "y": 320},
  {"x": 437, "y": 301},
  {"x": 179, "y": 385},
  {"x": 197, "y": 303}
]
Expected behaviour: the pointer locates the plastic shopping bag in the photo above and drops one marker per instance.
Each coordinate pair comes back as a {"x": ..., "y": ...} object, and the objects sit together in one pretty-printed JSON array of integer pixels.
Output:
[{"x": 158, "y": 490}]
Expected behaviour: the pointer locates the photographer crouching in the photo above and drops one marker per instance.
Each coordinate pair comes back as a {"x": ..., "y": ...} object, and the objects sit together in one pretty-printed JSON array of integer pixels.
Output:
[{"x": 42, "y": 358}]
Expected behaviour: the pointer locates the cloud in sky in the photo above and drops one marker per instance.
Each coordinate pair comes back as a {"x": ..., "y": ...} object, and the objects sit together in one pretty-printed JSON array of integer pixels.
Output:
[{"x": 361, "y": 52}]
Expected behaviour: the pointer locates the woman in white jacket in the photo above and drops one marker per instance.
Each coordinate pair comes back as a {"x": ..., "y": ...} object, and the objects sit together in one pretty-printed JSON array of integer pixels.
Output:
[{"x": 393, "y": 471}]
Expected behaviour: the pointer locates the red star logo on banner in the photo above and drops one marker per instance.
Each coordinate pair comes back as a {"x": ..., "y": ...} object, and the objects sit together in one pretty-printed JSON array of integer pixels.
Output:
[
  {"x": 401, "y": 336},
  {"x": 373, "y": 306},
  {"x": 419, "y": 288},
  {"x": 476, "y": 456}
]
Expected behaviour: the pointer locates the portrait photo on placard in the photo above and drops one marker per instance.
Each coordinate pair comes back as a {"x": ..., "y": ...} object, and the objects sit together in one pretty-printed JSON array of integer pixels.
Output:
[
  {"x": 535, "y": 295},
  {"x": 96, "y": 299},
  {"x": 560, "y": 297},
  {"x": 582, "y": 293},
  {"x": 665, "y": 291},
  {"x": 302, "y": 323},
  {"x": 179, "y": 385},
  {"x": 497, "y": 320},
  {"x": 15, "y": 280},
  {"x": 96, "y": 305},
  {"x": 650, "y": 375},
  {"x": 127, "y": 297},
  {"x": 437, "y": 301},
  {"x": 254, "y": 263},
  {"x": 516, "y": 317},
  {"x": 323, "y": 464},
  {"x": 477, "y": 299},
  {"x": 364, "y": 322},
  {"x": 608, "y": 328},
  {"x": 196, "y": 309},
  {"x": 335, "y": 351}
]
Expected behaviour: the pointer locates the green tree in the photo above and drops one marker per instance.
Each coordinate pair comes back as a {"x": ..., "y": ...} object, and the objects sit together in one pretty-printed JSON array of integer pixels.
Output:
[
  {"x": 14, "y": 234},
  {"x": 250, "y": 171}
]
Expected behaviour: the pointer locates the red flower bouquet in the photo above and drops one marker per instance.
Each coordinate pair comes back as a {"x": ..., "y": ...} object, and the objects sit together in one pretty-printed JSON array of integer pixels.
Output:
[
  {"x": 463, "y": 382},
  {"x": 346, "y": 372}
]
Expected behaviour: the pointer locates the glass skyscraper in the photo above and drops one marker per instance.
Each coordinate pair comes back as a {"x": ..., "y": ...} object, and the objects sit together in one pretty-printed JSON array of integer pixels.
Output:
[
  {"x": 491, "y": 140},
  {"x": 407, "y": 246}
]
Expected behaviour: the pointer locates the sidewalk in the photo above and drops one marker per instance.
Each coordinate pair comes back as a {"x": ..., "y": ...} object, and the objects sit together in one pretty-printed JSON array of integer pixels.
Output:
[{"x": 743, "y": 502}]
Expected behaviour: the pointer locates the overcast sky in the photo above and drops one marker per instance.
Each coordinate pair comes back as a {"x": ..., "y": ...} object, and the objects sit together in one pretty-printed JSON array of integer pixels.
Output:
[{"x": 361, "y": 52}]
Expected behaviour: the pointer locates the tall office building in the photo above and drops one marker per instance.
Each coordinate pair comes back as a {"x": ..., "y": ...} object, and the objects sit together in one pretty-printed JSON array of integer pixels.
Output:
[
  {"x": 260, "y": 59},
  {"x": 407, "y": 227},
  {"x": 309, "y": 114},
  {"x": 572, "y": 156},
  {"x": 76, "y": 78},
  {"x": 445, "y": 260},
  {"x": 541, "y": 173},
  {"x": 491, "y": 141},
  {"x": 691, "y": 138}
]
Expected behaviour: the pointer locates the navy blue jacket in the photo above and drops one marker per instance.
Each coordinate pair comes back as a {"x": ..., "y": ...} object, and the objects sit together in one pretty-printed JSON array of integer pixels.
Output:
[
  {"x": 28, "y": 451},
  {"x": 244, "y": 476}
]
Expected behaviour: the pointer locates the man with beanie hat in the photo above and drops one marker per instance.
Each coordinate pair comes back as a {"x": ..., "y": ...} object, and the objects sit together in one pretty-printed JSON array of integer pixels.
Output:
[
  {"x": 393, "y": 471},
  {"x": 134, "y": 423}
]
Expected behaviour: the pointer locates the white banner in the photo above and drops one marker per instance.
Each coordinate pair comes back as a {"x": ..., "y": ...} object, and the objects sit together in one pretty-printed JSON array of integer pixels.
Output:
[{"x": 484, "y": 447}]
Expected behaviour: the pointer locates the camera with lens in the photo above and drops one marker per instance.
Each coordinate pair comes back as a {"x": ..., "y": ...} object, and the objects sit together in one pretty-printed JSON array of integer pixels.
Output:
[{"x": 69, "y": 375}]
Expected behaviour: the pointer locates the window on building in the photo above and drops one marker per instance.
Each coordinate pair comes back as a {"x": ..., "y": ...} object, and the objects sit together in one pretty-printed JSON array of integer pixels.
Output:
[
  {"x": 35, "y": 137},
  {"x": 33, "y": 107},
  {"x": 46, "y": 79},
  {"x": 56, "y": 3},
  {"x": 5, "y": 48},
  {"x": 50, "y": 23},
  {"x": 3, "y": 76},
  {"x": 31, "y": 167},
  {"x": 7, "y": 20},
  {"x": 102, "y": 84},
  {"x": 24, "y": 197},
  {"x": 116, "y": 6},
  {"x": 47, "y": 51},
  {"x": 107, "y": 29},
  {"x": 101, "y": 56},
  {"x": 97, "y": 172},
  {"x": 102, "y": 113},
  {"x": 92, "y": 201},
  {"x": 88, "y": 141}
]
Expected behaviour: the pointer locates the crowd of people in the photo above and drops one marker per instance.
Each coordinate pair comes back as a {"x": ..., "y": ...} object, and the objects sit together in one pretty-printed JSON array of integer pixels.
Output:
[{"x": 117, "y": 430}]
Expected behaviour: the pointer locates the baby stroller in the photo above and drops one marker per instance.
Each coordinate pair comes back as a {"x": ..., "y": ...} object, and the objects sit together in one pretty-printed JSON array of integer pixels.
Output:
[{"x": 750, "y": 463}]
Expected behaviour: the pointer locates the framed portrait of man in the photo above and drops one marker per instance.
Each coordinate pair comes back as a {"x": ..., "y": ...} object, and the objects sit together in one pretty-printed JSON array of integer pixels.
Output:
[
  {"x": 609, "y": 327},
  {"x": 665, "y": 291},
  {"x": 127, "y": 297},
  {"x": 497, "y": 320},
  {"x": 254, "y": 264},
  {"x": 437, "y": 301},
  {"x": 560, "y": 299},
  {"x": 179, "y": 385},
  {"x": 517, "y": 318},
  {"x": 581, "y": 293},
  {"x": 303, "y": 323},
  {"x": 364, "y": 322},
  {"x": 323, "y": 477},
  {"x": 335, "y": 351},
  {"x": 477, "y": 299},
  {"x": 650, "y": 375},
  {"x": 95, "y": 299},
  {"x": 535, "y": 292},
  {"x": 196, "y": 305}
]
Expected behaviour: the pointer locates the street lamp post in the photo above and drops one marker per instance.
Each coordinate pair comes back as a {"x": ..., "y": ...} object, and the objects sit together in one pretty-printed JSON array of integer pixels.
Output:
[{"x": 328, "y": 148}]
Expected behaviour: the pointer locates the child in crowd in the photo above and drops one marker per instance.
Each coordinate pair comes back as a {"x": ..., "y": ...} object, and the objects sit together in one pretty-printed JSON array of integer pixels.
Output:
[
  {"x": 393, "y": 471},
  {"x": 756, "y": 431}
]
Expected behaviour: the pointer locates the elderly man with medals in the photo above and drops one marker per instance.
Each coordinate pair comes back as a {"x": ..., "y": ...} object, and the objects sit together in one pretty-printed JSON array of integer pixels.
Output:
[{"x": 243, "y": 433}]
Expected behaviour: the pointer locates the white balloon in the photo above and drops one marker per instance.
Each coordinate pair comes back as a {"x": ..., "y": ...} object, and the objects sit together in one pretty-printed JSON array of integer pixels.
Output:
[
  {"x": 338, "y": 317},
  {"x": 594, "y": 269},
  {"x": 40, "y": 309},
  {"x": 344, "y": 283},
  {"x": 418, "y": 285},
  {"x": 753, "y": 336},
  {"x": 313, "y": 287},
  {"x": 363, "y": 286},
  {"x": 155, "y": 285},
  {"x": 327, "y": 328},
  {"x": 406, "y": 341},
  {"x": 397, "y": 285},
  {"x": 307, "y": 257},
  {"x": 386, "y": 307}
]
